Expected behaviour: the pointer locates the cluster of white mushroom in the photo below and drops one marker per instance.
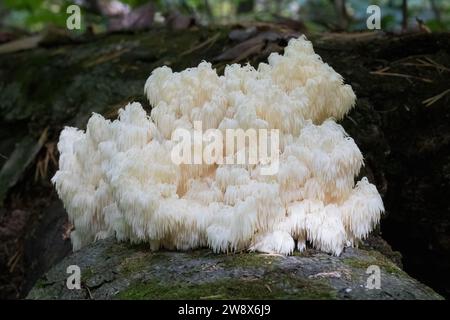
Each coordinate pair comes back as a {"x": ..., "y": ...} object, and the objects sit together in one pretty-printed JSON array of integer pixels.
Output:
[{"x": 117, "y": 178}]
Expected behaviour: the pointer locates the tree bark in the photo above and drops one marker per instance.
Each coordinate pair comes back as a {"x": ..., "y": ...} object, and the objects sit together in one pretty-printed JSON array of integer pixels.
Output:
[{"x": 404, "y": 15}]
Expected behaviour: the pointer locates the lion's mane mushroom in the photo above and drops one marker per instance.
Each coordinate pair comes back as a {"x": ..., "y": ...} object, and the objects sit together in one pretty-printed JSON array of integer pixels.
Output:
[{"x": 117, "y": 177}]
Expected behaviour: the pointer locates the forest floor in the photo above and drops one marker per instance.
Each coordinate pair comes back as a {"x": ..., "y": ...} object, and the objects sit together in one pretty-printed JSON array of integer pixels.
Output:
[{"x": 401, "y": 124}]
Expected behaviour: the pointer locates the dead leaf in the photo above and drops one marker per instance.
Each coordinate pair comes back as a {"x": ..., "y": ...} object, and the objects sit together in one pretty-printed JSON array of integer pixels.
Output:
[
  {"x": 68, "y": 227},
  {"x": 24, "y": 153},
  {"x": 240, "y": 35},
  {"x": 332, "y": 274},
  {"x": 21, "y": 44},
  {"x": 261, "y": 43}
]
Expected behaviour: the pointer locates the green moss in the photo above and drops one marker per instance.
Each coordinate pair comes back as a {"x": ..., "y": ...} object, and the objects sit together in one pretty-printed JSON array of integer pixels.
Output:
[
  {"x": 305, "y": 253},
  {"x": 358, "y": 263},
  {"x": 385, "y": 263},
  {"x": 201, "y": 253},
  {"x": 138, "y": 246},
  {"x": 41, "y": 283},
  {"x": 142, "y": 261},
  {"x": 274, "y": 286},
  {"x": 134, "y": 264},
  {"x": 374, "y": 258},
  {"x": 248, "y": 259},
  {"x": 87, "y": 273}
]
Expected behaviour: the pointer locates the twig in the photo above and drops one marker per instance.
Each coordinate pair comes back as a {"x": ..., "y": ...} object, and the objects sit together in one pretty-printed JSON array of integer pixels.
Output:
[
  {"x": 209, "y": 41},
  {"x": 14, "y": 260},
  {"x": 428, "y": 102},
  {"x": 89, "y": 293},
  {"x": 408, "y": 58},
  {"x": 387, "y": 111},
  {"x": 105, "y": 58},
  {"x": 352, "y": 120},
  {"x": 428, "y": 62},
  {"x": 382, "y": 72}
]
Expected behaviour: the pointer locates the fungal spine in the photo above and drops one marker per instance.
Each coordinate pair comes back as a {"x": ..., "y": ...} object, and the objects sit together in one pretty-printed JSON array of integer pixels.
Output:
[{"x": 117, "y": 178}]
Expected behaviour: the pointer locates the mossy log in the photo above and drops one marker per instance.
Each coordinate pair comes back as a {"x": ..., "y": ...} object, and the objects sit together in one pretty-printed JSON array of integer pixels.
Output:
[{"x": 111, "y": 270}]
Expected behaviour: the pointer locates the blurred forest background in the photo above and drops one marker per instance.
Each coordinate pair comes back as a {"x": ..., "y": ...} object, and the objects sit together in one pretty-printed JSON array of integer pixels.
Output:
[{"x": 314, "y": 15}]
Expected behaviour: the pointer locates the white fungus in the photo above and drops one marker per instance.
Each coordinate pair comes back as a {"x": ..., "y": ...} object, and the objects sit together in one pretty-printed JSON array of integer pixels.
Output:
[{"x": 117, "y": 178}]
